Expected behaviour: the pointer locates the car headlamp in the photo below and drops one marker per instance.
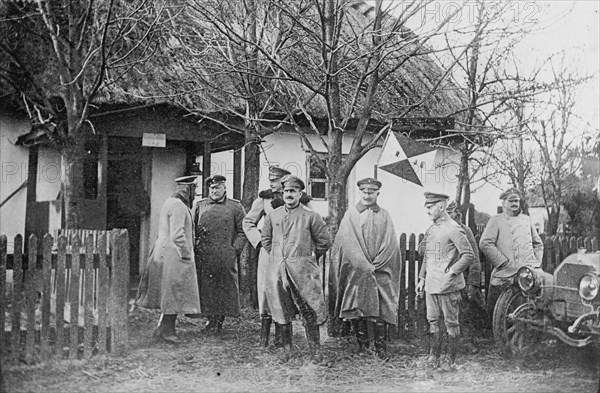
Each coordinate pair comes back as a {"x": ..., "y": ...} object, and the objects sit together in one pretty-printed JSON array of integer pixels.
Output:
[
  {"x": 526, "y": 279},
  {"x": 588, "y": 287}
]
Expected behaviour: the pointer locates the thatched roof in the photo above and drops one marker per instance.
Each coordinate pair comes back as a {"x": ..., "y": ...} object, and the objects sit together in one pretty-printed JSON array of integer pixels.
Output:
[
  {"x": 187, "y": 69},
  {"x": 190, "y": 71}
]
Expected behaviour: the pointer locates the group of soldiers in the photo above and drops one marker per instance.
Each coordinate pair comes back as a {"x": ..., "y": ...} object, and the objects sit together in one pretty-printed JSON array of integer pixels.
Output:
[{"x": 192, "y": 269}]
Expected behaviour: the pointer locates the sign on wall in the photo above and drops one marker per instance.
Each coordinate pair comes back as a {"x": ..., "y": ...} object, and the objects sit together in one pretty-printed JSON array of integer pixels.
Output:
[{"x": 154, "y": 140}]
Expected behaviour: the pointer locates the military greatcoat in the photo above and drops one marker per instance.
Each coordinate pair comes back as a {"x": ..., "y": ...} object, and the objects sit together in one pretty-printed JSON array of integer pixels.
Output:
[
  {"x": 169, "y": 280},
  {"x": 263, "y": 205},
  {"x": 220, "y": 239},
  {"x": 292, "y": 237},
  {"x": 365, "y": 266}
]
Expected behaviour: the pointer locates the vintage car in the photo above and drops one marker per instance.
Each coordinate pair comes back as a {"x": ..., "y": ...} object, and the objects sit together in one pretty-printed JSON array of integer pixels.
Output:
[{"x": 565, "y": 304}]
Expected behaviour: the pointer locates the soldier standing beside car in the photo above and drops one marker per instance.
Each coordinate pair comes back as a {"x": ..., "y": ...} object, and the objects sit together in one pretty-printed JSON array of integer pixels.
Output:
[
  {"x": 509, "y": 241},
  {"x": 447, "y": 255},
  {"x": 169, "y": 280},
  {"x": 295, "y": 238},
  {"x": 265, "y": 203},
  {"x": 220, "y": 240}
]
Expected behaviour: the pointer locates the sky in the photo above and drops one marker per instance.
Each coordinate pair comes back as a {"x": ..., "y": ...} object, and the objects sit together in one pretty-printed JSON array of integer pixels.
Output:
[{"x": 558, "y": 25}]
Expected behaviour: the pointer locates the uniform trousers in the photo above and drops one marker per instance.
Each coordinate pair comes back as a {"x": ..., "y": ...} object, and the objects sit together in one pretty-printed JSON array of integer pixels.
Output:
[{"x": 445, "y": 305}]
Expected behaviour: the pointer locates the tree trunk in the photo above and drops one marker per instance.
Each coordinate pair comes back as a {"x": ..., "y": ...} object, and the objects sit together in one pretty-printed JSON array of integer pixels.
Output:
[
  {"x": 72, "y": 156},
  {"x": 249, "y": 258}
]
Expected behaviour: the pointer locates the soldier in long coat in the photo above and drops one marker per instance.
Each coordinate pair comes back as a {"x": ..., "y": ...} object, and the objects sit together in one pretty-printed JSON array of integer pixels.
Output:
[
  {"x": 365, "y": 268},
  {"x": 220, "y": 240},
  {"x": 447, "y": 255},
  {"x": 265, "y": 203},
  {"x": 295, "y": 238},
  {"x": 169, "y": 280},
  {"x": 509, "y": 241}
]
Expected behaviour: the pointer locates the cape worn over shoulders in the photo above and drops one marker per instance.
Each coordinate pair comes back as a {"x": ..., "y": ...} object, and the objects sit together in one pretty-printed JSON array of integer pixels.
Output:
[{"x": 365, "y": 270}]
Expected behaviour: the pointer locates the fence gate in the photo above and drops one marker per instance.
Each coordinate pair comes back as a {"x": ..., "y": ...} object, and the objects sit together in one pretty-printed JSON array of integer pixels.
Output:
[{"x": 65, "y": 298}]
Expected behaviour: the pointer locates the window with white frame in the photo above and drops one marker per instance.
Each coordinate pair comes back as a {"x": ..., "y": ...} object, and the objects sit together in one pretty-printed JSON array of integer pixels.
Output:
[{"x": 317, "y": 178}]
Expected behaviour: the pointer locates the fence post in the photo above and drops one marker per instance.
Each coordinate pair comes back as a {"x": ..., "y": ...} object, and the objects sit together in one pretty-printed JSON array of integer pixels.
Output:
[
  {"x": 410, "y": 290},
  {"x": 119, "y": 291},
  {"x": 30, "y": 297},
  {"x": 74, "y": 297},
  {"x": 61, "y": 265},
  {"x": 3, "y": 296},
  {"x": 46, "y": 277},
  {"x": 17, "y": 298},
  {"x": 102, "y": 294},
  {"x": 88, "y": 306},
  {"x": 402, "y": 297}
]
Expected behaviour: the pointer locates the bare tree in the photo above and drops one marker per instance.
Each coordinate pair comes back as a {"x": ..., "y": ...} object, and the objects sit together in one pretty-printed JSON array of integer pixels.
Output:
[
  {"x": 496, "y": 86},
  {"x": 562, "y": 140},
  {"x": 57, "y": 55}
]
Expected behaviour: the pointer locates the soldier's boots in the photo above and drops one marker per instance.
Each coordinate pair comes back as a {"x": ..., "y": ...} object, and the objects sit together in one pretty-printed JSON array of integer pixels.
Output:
[
  {"x": 214, "y": 324},
  {"x": 265, "y": 330},
  {"x": 313, "y": 337},
  {"x": 219, "y": 324},
  {"x": 453, "y": 344},
  {"x": 362, "y": 334},
  {"x": 435, "y": 349},
  {"x": 286, "y": 340},
  {"x": 379, "y": 332},
  {"x": 211, "y": 324},
  {"x": 166, "y": 330}
]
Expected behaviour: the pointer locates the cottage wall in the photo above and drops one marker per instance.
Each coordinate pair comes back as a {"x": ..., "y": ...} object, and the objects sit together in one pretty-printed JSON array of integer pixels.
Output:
[
  {"x": 13, "y": 173},
  {"x": 403, "y": 199}
]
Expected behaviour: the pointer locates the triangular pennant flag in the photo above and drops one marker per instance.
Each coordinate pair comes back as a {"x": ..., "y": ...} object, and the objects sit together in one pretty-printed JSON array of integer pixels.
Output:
[
  {"x": 392, "y": 151},
  {"x": 398, "y": 154},
  {"x": 412, "y": 148},
  {"x": 404, "y": 170}
]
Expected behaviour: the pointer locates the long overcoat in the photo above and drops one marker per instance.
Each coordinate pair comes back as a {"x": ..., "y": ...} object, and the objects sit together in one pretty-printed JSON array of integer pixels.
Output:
[
  {"x": 220, "y": 239},
  {"x": 262, "y": 206},
  {"x": 292, "y": 238},
  {"x": 365, "y": 266},
  {"x": 169, "y": 280}
]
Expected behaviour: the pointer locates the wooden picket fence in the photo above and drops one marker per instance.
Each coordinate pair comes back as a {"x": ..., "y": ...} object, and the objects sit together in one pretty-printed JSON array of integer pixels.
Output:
[
  {"x": 50, "y": 309},
  {"x": 411, "y": 309}
]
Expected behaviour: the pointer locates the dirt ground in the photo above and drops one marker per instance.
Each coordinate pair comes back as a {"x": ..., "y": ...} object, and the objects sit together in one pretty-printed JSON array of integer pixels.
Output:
[{"x": 233, "y": 362}]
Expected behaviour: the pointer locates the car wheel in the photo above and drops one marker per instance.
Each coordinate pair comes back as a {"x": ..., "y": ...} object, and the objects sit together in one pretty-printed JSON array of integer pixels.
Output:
[
  {"x": 522, "y": 339},
  {"x": 508, "y": 301}
]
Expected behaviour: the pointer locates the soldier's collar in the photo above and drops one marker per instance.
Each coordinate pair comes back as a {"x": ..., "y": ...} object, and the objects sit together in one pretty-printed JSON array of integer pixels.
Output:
[
  {"x": 361, "y": 207},
  {"x": 210, "y": 200},
  {"x": 442, "y": 219}
]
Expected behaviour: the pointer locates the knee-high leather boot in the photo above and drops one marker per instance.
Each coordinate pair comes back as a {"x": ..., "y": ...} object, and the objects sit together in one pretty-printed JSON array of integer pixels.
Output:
[
  {"x": 435, "y": 348},
  {"x": 265, "y": 330},
  {"x": 219, "y": 323},
  {"x": 453, "y": 343},
  {"x": 313, "y": 336},
  {"x": 379, "y": 329},
  {"x": 362, "y": 334},
  {"x": 166, "y": 330},
  {"x": 286, "y": 339}
]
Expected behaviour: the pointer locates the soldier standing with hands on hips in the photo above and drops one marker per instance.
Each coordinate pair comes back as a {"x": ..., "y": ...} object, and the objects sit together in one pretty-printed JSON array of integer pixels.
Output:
[{"x": 447, "y": 253}]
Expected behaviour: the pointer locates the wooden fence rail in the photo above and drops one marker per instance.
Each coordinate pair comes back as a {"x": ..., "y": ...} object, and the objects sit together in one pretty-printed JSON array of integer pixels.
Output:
[{"x": 48, "y": 308}]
